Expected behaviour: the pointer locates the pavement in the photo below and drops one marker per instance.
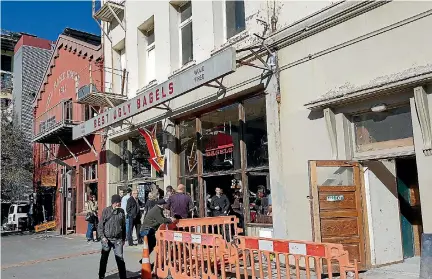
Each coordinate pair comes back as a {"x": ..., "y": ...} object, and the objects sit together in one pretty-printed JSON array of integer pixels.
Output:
[{"x": 26, "y": 256}]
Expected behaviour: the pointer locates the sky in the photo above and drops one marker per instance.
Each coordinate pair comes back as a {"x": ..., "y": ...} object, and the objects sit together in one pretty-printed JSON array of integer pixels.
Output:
[{"x": 47, "y": 19}]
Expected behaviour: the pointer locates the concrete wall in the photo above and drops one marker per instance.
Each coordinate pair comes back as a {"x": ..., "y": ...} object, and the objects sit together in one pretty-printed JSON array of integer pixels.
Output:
[
  {"x": 383, "y": 212},
  {"x": 350, "y": 54}
]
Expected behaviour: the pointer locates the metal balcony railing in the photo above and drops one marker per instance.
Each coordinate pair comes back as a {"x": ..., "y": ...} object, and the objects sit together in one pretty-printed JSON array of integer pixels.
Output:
[
  {"x": 107, "y": 10},
  {"x": 55, "y": 125}
]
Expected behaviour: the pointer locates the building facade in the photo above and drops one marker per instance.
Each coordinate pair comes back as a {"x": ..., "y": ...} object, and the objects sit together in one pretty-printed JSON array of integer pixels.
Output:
[
  {"x": 31, "y": 57},
  {"x": 8, "y": 42},
  {"x": 355, "y": 107},
  {"x": 67, "y": 171},
  {"x": 215, "y": 134}
]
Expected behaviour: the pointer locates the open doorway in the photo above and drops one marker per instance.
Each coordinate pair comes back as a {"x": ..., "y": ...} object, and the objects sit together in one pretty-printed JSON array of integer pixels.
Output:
[
  {"x": 224, "y": 182},
  {"x": 409, "y": 206}
]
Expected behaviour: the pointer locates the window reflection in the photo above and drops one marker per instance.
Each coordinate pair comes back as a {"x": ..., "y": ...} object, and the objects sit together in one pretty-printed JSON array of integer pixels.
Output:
[
  {"x": 188, "y": 148},
  {"x": 140, "y": 165},
  {"x": 255, "y": 134},
  {"x": 220, "y": 139}
]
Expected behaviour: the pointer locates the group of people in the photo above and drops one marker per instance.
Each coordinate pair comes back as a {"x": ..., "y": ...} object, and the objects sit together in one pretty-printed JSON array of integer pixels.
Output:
[{"x": 124, "y": 214}]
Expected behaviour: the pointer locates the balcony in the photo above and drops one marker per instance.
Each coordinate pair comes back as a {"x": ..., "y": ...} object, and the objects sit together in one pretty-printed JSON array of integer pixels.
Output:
[
  {"x": 55, "y": 125},
  {"x": 109, "y": 10},
  {"x": 89, "y": 94}
]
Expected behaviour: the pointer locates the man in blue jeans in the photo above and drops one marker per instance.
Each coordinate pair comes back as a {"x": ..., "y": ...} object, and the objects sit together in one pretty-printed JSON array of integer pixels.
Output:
[{"x": 152, "y": 222}]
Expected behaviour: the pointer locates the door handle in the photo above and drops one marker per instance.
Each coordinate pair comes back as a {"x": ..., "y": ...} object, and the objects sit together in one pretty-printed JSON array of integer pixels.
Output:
[{"x": 309, "y": 197}]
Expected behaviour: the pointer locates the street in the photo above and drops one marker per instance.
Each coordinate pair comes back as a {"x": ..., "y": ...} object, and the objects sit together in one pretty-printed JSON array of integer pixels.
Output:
[{"x": 29, "y": 256}]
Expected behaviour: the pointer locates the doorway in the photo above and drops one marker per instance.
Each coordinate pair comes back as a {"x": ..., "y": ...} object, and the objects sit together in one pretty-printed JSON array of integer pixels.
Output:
[
  {"x": 210, "y": 183},
  {"x": 409, "y": 206},
  {"x": 337, "y": 211}
]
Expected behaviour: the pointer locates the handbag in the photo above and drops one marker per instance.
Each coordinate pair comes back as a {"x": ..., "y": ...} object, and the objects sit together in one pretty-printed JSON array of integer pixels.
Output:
[{"x": 89, "y": 217}]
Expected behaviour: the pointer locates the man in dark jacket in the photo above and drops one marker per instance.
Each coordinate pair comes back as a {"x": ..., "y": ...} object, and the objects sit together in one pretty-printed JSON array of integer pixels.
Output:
[
  {"x": 152, "y": 222},
  {"x": 112, "y": 229},
  {"x": 134, "y": 215},
  {"x": 219, "y": 204}
]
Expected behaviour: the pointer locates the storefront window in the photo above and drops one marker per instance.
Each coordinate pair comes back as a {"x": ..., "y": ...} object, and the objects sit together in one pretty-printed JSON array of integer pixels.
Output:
[
  {"x": 383, "y": 130},
  {"x": 140, "y": 165},
  {"x": 260, "y": 202},
  {"x": 192, "y": 189},
  {"x": 220, "y": 139},
  {"x": 255, "y": 134},
  {"x": 188, "y": 147}
]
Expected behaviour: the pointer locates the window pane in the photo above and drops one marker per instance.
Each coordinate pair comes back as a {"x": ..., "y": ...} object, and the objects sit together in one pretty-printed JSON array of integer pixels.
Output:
[
  {"x": 220, "y": 139},
  {"x": 383, "y": 130},
  {"x": 140, "y": 165},
  {"x": 185, "y": 11},
  {"x": 335, "y": 176},
  {"x": 124, "y": 159},
  {"x": 255, "y": 134},
  {"x": 235, "y": 17},
  {"x": 260, "y": 198},
  {"x": 151, "y": 66},
  {"x": 188, "y": 148},
  {"x": 187, "y": 43}
]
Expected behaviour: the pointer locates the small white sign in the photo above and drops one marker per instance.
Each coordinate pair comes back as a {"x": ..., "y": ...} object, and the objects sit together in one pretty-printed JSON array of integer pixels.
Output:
[
  {"x": 196, "y": 238},
  {"x": 334, "y": 198},
  {"x": 265, "y": 245},
  {"x": 297, "y": 248},
  {"x": 178, "y": 237}
]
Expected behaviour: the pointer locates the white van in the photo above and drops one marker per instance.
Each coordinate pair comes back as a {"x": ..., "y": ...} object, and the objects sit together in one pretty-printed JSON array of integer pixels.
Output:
[{"x": 17, "y": 216}]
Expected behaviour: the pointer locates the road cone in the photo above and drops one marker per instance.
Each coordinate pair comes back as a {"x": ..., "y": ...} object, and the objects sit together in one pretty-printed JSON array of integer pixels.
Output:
[{"x": 146, "y": 272}]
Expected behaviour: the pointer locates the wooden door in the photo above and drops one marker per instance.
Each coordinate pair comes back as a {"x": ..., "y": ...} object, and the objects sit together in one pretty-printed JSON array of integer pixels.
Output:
[{"x": 336, "y": 205}]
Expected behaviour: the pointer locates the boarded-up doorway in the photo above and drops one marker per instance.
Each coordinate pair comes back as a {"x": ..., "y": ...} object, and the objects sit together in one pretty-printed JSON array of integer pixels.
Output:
[{"x": 337, "y": 207}]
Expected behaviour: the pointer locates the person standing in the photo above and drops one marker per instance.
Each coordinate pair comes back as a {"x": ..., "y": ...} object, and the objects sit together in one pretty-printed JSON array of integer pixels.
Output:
[
  {"x": 91, "y": 218},
  {"x": 180, "y": 204},
  {"x": 112, "y": 228},
  {"x": 219, "y": 204},
  {"x": 152, "y": 222},
  {"x": 31, "y": 214},
  {"x": 124, "y": 200},
  {"x": 134, "y": 215}
]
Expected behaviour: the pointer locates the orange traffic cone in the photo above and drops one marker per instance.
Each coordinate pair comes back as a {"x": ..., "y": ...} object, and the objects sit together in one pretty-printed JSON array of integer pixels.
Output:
[{"x": 146, "y": 272}]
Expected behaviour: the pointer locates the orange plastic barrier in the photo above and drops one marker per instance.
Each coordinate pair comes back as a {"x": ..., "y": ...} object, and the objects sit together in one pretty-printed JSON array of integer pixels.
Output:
[
  {"x": 185, "y": 255},
  {"x": 227, "y": 226}
]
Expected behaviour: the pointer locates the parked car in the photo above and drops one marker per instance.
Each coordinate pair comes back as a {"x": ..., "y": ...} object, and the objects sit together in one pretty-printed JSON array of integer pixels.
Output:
[{"x": 17, "y": 217}]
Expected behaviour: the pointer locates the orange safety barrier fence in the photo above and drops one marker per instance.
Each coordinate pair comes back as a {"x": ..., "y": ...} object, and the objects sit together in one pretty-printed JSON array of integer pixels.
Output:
[
  {"x": 185, "y": 255},
  {"x": 227, "y": 226}
]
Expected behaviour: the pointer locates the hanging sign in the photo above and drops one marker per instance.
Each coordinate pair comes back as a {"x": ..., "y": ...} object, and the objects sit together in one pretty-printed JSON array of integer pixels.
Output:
[
  {"x": 211, "y": 69},
  {"x": 156, "y": 158}
]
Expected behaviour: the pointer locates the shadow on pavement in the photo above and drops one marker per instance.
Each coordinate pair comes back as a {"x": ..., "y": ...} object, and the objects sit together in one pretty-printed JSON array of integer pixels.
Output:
[{"x": 129, "y": 274}]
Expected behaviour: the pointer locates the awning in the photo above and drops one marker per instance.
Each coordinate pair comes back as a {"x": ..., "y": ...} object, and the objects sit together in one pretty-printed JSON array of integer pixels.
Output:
[{"x": 348, "y": 92}]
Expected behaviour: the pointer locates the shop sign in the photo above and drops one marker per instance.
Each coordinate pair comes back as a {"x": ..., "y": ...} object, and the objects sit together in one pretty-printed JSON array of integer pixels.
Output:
[
  {"x": 335, "y": 198},
  {"x": 157, "y": 160},
  {"x": 213, "y": 68},
  {"x": 226, "y": 149},
  {"x": 48, "y": 178}
]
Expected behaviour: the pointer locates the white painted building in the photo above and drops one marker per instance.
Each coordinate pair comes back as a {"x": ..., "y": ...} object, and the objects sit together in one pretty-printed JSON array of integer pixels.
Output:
[{"x": 320, "y": 111}]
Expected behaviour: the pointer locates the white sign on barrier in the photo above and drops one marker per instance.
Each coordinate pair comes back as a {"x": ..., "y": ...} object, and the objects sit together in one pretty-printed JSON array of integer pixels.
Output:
[
  {"x": 196, "y": 238},
  {"x": 265, "y": 245},
  {"x": 211, "y": 69},
  {"x": 178, "y": 237},
  {"x": 297, "y": 248}
]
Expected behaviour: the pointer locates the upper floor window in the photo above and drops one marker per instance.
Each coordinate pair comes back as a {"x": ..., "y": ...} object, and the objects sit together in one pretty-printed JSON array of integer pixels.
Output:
[
  {"x": 90, "y": 171},
  {"x": 150, "y": 57},
  {"x": 391, "y": 128},
  {"x": 235, "y": 18},
  {"x": 186, "y": 37},
  {"x": 89, "y": 112}
]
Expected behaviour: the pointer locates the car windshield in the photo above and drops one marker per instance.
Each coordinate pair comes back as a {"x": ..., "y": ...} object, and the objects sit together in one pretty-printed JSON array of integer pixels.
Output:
[{"x": 23, "y": 209}]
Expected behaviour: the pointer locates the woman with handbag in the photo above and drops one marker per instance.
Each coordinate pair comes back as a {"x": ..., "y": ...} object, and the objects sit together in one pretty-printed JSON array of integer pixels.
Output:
[{"x": 91, "y": 218}]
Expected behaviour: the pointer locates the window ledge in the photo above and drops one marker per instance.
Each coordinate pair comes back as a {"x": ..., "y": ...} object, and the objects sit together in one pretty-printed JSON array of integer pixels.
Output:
[
  {"x": 151, "y": 84},
  {"x": 231, "y": 41},
  {"x": 183, "y": 68},
  {"x": 259, "y": 225}
]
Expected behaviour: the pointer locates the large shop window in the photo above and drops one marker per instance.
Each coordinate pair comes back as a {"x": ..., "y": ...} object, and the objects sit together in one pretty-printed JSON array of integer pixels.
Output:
[
  {"x": 188, "y": 148},
  {"x": 140, "y": 155},
  {"x": 220, "y": 139},
  {"x": 383, "y": 130},
  {"x": 256, "y": 132}
]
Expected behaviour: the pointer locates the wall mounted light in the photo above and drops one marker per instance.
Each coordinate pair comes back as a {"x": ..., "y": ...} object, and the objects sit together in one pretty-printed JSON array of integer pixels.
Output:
[{"x": 379, "y": 108}]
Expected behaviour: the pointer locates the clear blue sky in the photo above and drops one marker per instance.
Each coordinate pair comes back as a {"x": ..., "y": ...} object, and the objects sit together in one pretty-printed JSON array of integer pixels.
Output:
[{"x": 47, "y": 19}]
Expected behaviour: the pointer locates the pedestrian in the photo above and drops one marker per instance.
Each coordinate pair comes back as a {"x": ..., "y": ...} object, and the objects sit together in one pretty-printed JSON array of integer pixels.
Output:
[
  {"x": 124, "y": 200},
  {"x": 91, "y": 209},
  {"x": 121, "y": 193},
  {"x": 180, "y": 204},
  {"x": 31, "y": 214},
  {"x": 152, "y": 222},
  {"x": 152, "y": 198},
  {"x": 219, "y": 203},
  {"x": 160, "y": 192},
  {"x": 169, "y": 192},
  {"x": 133, "y": 209},
  {"x": 113, "y": 232}
]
